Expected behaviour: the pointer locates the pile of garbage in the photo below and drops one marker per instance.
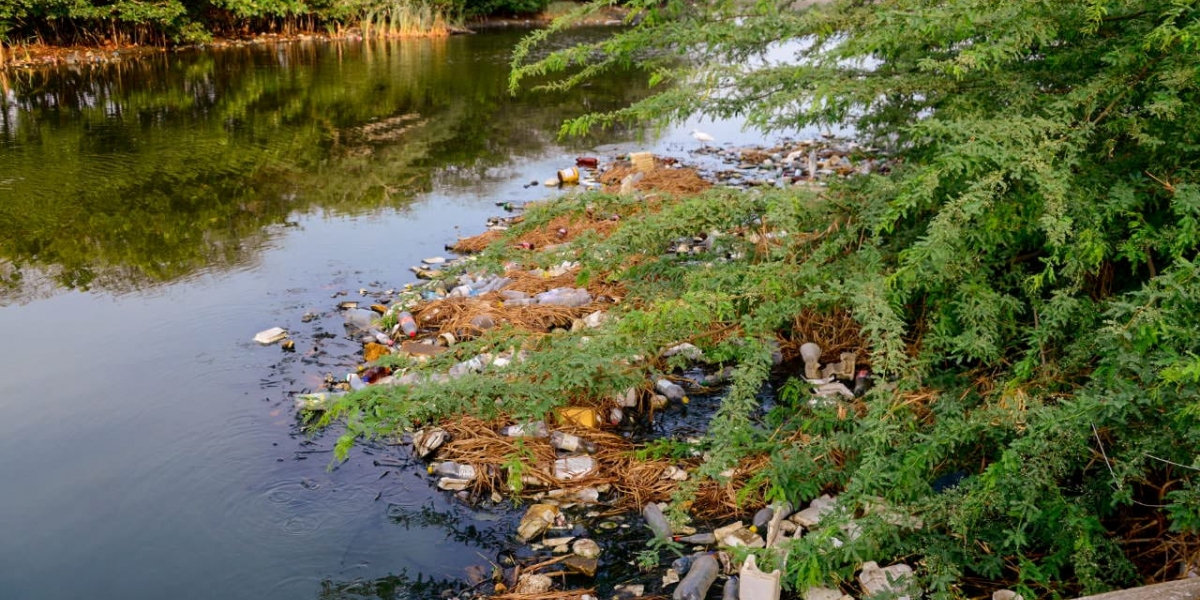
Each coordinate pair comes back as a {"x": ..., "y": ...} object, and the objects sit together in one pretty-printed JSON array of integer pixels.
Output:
[
  {"x": 578, "y": 468},
  {"x": 803, "y": 162}
]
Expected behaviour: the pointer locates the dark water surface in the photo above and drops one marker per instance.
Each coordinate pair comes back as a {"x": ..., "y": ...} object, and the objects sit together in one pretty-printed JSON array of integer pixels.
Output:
[{"x": 154, "y": 215}]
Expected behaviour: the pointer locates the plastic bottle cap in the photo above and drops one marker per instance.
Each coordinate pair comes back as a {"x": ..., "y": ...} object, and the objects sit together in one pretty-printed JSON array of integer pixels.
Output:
[{"x": 685, "y": 400}]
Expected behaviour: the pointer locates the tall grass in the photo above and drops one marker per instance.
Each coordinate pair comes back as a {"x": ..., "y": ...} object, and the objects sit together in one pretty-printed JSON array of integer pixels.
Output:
[{"x": 406, "y": 18}]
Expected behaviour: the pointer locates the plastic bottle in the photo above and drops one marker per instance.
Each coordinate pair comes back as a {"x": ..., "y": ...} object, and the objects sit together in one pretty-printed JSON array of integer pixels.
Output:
[
  {"x": 681, "y": 565},
  {"x": 374, "y": 374},
  {"x": 534, "y": 429},
  {"x": 762, "y": 518},
  {"x": 671, "y": 390},
  {"x": 382, "y": 337},
  {"x": 452, "y": 469},
  {"x": 359, "y": 319},
  {"x": 407, "y": 323},
  {"x": 571, "y": 443},
  {"x": 702, "y": 539},
  {"x": 356, "y": 382},
  {"x": 656, "y": 521},
  {"x": 699, "y": 578},
  {"x": 731, "y": 589}
]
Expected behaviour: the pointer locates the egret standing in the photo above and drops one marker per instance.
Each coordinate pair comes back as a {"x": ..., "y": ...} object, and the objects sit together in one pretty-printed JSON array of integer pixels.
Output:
[{"x": 702, "y": 137}]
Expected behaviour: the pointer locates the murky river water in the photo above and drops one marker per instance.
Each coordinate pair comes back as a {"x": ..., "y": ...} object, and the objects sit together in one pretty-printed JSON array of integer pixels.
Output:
[{"x": 154, "y": 215}]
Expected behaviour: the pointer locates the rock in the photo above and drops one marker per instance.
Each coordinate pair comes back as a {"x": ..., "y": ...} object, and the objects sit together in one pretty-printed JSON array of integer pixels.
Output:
[
  {"x": 574, "y": 467},
  {"x": 595, "y": 319},
  {"x": 584, "y": 566},
  {"x": 533, "y": 583},
  {"x": 1006, "y": 595},
  {"x": 895, "y": 579},
  {"x": 586, "y": 548},
  {"x": 434, "y": 260},
  {"x": 537, "y": 519},
  {"x": 670, "y": 577}
]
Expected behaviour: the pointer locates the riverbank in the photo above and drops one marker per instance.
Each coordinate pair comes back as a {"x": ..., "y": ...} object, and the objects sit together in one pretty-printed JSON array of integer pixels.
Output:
[
  {"x": 658, "y": 343},
  {"x": 34, "y": 56},
  {"x": 602, "y": 443}
]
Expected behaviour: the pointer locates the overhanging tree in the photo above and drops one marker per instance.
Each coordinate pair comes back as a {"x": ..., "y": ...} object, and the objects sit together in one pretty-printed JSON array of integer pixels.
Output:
[{"x": 1031, "y": 260}]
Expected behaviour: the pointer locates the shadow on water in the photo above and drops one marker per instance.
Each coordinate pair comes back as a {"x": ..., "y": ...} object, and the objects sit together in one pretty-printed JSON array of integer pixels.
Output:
[
  {"x": 123, "y": 176},
  {"x": 392, "y": 587}
]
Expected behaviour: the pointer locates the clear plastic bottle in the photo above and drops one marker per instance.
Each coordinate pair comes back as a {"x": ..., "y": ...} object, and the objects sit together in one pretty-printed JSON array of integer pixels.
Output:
[
  {"x": 359, "y": 319},
  {"x": 453, "y": 469},
  {"x": 571, "y": 443},
  {"x": 534, "y": 429}
]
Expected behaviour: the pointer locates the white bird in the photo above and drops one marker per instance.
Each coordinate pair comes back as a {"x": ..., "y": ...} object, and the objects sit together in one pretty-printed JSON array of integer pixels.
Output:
[{"x": 701, "y": 137}]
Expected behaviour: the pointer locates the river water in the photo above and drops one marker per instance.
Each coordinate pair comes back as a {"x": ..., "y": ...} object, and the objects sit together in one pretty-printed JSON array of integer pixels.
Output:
[{"x": 154, "y": 215}]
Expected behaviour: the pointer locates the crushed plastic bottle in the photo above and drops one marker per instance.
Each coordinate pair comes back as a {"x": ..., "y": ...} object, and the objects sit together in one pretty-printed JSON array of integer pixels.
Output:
[
  {"x": 535, "y": 429},
  {"x": 356, "y": 382}
]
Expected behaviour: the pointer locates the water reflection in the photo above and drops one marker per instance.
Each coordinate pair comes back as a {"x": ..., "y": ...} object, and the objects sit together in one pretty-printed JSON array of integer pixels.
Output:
[
  {"x": 393, "y": 587},
  {"x": 123, "y": 176}
]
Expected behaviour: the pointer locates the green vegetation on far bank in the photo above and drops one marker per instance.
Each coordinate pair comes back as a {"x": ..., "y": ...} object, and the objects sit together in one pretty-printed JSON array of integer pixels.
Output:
[
  {"x": 136, "y": 22},
  {"x": 1026, "y": 277}
]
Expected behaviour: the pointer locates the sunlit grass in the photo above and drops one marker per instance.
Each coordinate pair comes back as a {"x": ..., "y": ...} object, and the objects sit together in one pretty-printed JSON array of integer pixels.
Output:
[{"x": 406, "y": 19}]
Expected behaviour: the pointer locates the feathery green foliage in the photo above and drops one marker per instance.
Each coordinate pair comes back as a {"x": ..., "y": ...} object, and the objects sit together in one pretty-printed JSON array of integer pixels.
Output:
[{"x": 1030, "y": 261}]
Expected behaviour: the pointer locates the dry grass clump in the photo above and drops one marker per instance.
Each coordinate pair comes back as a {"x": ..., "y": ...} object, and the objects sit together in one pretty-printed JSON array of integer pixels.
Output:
[
  {"x": 835, "y": 331},
  {"x": 477, "y": 443},
  {"x": 478, "y": 243},
  {"x": 677, "y": 182},
  {"x": 559, "y": 230},
  {"x": 717, "y": 501},
  {"x": 462, "y": 316}
]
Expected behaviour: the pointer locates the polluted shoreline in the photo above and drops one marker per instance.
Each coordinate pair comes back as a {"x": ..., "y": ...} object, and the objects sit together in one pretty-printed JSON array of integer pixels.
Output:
[{"x": 614, "y": 481}]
